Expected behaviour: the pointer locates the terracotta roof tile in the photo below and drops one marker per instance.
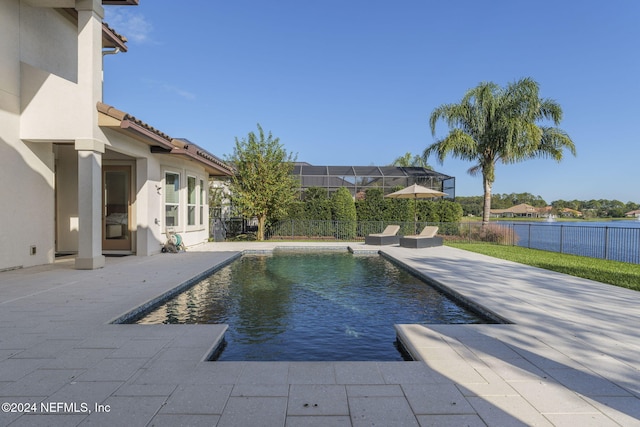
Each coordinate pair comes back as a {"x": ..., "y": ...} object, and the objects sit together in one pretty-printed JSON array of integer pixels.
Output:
[
  {"x": 111, "y": 38},
  {"x": 154, "y": 137}
]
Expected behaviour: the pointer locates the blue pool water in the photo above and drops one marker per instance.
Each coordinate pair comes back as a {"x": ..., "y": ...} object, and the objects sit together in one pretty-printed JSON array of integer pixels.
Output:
[{"x": 312, "y": 306}]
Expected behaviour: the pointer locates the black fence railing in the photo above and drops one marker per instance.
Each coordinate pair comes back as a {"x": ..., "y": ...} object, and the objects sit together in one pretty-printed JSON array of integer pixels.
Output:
[
  {"x": 615, "y": 242},
  {"x": 221, "y": 229},
  {"x": 618, "y": 243},
  {"x": 357, "y": 230}
]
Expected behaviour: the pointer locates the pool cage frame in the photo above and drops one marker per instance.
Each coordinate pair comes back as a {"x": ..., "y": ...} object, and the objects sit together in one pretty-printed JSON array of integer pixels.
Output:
[{"x": 357, "y": 179}]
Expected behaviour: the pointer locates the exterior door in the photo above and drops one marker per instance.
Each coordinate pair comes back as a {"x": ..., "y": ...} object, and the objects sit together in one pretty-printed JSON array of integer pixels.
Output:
[{"x": 116, "y": 208}]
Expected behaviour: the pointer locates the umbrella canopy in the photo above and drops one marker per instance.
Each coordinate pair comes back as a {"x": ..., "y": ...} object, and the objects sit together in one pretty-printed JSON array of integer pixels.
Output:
[{"x": 416, "y": 191}]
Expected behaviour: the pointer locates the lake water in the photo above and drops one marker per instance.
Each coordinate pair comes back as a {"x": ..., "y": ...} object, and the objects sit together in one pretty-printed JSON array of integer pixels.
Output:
[{"x": 614, "y": 240}]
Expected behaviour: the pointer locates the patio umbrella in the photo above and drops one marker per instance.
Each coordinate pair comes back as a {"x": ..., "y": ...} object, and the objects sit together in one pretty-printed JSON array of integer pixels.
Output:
[{"x": 415, "y": 192}]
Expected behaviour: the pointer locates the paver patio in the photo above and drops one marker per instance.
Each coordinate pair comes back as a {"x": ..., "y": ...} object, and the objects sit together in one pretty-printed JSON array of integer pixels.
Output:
[{"x": 569, "y": 357}]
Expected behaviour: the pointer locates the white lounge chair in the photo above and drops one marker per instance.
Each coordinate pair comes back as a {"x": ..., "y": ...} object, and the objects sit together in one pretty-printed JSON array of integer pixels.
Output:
[
  {"x": 387, "y": 237},
  {"x": 426, "y": 239}
]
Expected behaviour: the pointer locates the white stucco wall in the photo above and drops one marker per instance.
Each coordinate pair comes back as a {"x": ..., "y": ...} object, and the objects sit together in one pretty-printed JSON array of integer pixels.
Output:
[
  {"x": 49, "y": 90},
  {"x": 27, "y": 215},
  {"x": 9, "y": 50},
  {"x": 49, "y": 41},
  {"x": 149, "y": 201},
  {"x": 50, "y": 81}
]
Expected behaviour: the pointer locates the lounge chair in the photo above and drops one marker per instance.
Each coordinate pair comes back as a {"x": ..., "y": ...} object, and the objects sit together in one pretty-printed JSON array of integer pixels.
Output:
[
  {"x": 387, "y": 237},
  {"x": 426, "y": 239}
]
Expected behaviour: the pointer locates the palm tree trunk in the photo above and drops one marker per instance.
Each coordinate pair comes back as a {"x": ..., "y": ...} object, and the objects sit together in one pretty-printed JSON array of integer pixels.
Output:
[{"x": 486, "y": 208}]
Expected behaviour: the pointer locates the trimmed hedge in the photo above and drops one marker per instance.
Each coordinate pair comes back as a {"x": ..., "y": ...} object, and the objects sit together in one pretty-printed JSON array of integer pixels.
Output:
[{"x": 374, "y": 207}]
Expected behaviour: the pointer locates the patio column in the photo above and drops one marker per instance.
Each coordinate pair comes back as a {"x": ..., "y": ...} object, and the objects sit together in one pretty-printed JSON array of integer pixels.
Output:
[
  {"x": 87, "y": 143},
  {"x": 89, "y": 204}
]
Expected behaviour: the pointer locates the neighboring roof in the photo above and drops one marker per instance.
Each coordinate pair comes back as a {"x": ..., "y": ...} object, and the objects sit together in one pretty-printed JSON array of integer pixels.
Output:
[
  {"x": 522, "y": 208},
  {"x": 571, "y": 211},
  {"x": 636, "y": 212},
  {"x": 160, "y": 143}
]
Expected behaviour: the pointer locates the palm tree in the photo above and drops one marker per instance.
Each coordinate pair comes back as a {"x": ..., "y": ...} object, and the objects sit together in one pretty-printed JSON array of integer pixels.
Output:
[
  {"x": 492, "y": 124},
  {"x": 409, "y": 160}
]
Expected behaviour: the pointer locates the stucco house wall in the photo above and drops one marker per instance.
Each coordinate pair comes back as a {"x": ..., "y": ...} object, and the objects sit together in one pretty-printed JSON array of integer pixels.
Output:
[
  {"x": 55, "y": 144},
  {"x": 27, "y": 168}
]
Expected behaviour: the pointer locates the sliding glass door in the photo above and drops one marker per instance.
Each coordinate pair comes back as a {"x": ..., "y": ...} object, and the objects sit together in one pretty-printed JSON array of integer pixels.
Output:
[{"x": 116, "y": 209}]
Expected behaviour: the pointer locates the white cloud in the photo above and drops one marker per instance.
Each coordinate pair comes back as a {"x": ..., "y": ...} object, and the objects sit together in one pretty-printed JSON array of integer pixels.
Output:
[
  {"x": 130, "y": 24},
  {"x": 180, "y": 92},
  {"x": 166, "y": 87}
]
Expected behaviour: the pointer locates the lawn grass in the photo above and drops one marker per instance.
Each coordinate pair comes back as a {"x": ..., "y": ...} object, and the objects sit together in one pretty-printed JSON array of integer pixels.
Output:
[{"x": 616, "y": 273}]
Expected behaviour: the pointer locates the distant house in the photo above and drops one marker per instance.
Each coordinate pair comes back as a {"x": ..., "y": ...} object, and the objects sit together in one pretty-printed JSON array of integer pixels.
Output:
[
  {"x": 571, "y": 213},
  {"x": 633, "y": 214},
  {"x": 528, "y": 211},
  {"x": 521, "y": 210},
  {"x": 81, "y": 177}
]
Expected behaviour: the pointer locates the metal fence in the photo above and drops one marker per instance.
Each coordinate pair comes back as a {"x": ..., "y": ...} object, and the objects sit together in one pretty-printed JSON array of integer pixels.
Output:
[
  {"x": 357, "y": 230},
  {"x": 618, "y": 243},
  {"x": 221, "y": 229}
]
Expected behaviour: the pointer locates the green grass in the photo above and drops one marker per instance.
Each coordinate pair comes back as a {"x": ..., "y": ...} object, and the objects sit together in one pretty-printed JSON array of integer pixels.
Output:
[{"x": 616, "y": 273}]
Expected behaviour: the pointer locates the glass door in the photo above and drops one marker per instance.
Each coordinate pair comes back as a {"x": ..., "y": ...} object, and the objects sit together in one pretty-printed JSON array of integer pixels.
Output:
[{"x": 116, "y": 191}]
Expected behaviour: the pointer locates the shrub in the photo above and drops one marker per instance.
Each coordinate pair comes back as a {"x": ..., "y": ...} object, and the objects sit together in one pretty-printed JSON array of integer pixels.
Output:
[
  {"x": 343, "y": 209},
  {"x": 492, "y": 233},
  {"x": 449, "y": 211},
  {"x": 296, "y": 210},
  {"x": 249, "y": 237},
  {"x": 317, "y": 205},
  {"x": 372, "y": 207}
]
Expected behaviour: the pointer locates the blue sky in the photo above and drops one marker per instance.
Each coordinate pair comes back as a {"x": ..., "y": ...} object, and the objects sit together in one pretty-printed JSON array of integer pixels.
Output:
[{"x": 354, "y": 82}]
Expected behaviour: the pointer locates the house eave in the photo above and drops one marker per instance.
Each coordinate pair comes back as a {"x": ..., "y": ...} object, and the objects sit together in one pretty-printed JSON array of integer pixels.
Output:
[
  {"x": 111, "y": 39},
  {"x": 120, "y": 2},
  {"x": 160, "y": 143}
]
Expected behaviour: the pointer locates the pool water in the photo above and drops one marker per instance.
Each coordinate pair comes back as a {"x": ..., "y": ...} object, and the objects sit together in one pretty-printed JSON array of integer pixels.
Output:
[{"x": 327, "y": 306}]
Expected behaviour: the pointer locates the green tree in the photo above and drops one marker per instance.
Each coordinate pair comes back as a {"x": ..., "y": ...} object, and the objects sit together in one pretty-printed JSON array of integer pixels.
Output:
[
  {"x": 631, "y": 206},
  {"x": 409, "y": 160},
  {"x": 262, "y": 185},
  {"x": 492, "y": 124},
  {"x": 471, "y": 205}
]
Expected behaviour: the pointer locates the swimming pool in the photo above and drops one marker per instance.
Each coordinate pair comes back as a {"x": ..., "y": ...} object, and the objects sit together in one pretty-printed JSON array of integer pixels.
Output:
[{"x": 326, "y": 306}]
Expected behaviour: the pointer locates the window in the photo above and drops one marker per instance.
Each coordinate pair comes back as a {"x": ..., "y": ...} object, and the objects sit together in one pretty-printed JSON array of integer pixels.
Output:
[
  {"x": 171, "y": 199},
  {"x": 191, "y": 200},
  {"x": 202, "y": 201}
]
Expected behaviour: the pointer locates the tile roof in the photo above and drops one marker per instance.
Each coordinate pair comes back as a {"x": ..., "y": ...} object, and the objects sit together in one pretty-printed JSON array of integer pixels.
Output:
[
  {"x": 121, "y": 2},
  {"x": 110, "y": 38},
  {"x": 159, "y": 141}
]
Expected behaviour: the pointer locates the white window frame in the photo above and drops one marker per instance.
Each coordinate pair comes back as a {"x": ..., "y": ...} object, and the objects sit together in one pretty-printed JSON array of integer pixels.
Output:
[
  {"x": 192, "y": 205},
  {"x": 202, "y": 202},
  {"x": 176, "y": 204}
]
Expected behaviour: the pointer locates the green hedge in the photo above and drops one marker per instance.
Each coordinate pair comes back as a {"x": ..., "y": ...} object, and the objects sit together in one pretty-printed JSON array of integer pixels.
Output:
[{"x": 374, "y": 207}]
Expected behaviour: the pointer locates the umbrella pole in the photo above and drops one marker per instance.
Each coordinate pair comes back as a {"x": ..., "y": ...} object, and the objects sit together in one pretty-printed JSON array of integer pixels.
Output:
[{"x": 415, "y": 215}]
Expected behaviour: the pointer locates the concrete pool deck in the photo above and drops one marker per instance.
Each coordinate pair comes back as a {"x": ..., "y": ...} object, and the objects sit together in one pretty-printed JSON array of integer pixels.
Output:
[{"x": 570, "y": 356}]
